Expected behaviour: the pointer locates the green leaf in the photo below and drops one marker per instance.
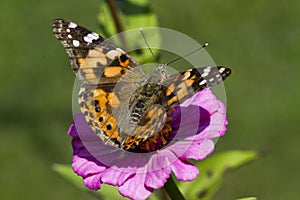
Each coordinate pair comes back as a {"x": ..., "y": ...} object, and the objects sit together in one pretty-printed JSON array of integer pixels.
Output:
[
  {"x": 67, "y": 172},
  {"x": 110, "y": 192},
  {"x": 212, "y": 171}
]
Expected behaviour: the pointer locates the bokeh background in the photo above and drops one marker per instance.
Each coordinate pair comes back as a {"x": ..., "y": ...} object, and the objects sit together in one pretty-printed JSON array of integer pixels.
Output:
[{"x": 258, "y": 39}]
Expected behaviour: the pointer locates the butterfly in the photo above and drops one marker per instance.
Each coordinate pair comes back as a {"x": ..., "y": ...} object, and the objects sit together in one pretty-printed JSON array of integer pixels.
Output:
[{"x": 122, "y": 104}]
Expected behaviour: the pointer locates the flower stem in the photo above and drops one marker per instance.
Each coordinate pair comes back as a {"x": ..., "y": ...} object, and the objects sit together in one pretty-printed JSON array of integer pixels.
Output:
[
  {"x": 117, "y": 21},
  {"x": 173, "y": 190}
]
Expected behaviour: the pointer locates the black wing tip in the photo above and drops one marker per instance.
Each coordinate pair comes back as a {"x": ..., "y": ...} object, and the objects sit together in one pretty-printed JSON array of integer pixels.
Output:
[
  {"x": 59, "y": 23},
  {"x": 224, "y": 71}
]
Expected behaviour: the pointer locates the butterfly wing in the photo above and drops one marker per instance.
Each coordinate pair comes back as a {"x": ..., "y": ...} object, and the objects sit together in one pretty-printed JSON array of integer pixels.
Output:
[
  {"x": 100, "y": 66},
  {"x": 181, "y": 86}
]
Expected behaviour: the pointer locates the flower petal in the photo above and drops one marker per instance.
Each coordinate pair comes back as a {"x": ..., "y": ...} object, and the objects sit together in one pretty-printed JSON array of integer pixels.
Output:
[
  {"x": 199, "y": 150},
  {"x": 72, "y": 130},
  {"x": 85, "y": 167},
  {"x": 157, "y": 179},
  {"x": 184, "y": 170},
  {"x": 93, "y": 182},
  {"x": 134, "y": 187},
  {"x": 159, "y": 171},
  {"x": 115, "y": 177}
]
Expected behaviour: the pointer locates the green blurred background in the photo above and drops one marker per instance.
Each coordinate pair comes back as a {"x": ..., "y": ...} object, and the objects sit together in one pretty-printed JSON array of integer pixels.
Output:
[{"x": 258, "y": 39}]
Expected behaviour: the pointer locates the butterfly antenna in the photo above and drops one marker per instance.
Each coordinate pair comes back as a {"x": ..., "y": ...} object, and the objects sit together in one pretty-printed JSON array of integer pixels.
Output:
[
  {"x": 142, "y": 32},
  {"x": 179, "y": 58}
]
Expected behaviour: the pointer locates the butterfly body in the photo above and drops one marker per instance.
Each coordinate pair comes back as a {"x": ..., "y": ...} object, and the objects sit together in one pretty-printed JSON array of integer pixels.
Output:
[{"x": 122, "y": 104}]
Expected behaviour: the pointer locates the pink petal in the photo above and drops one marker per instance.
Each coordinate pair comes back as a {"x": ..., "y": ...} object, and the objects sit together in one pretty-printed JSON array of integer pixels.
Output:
[
  {"x": 84, "y": 167},
  {"x": 199, "y": 150},
  {"x": 157, "y": 179},
  {"x": 114, "y": 177},
  {"x": 134, "y": 187},
  {"x": 159, "y": 171},
  {"x": 184, "y": 170},
  {"x": 72, "y": 130},
  {"x": 93, "y": 182}
]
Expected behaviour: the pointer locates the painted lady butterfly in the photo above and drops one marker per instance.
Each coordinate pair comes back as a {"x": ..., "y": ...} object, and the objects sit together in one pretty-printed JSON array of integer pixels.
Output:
[{"x": 123, "y": 105}]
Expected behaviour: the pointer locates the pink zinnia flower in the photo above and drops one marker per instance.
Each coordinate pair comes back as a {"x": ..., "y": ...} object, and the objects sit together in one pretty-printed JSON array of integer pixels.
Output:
[{"x": 195, "y": 124}]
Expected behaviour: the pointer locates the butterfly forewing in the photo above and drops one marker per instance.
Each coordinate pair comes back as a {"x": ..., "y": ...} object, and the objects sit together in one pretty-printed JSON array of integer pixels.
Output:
[{"x": 93, "y": 59}]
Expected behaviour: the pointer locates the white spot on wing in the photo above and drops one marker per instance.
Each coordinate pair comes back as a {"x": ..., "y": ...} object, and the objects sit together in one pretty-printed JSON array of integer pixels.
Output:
[
  {"x": 90, "y": 37},
  {"x": 221, "y": 70},
  {"x": 69, "y": 36},
  {"x": 207, "y": 70},
  {"x": 112, "y": 54},
  {"x": 202, "y": 82},
  {"x": 205, "y": 74},
  {"x": 68, "y": 30},
  {"x": 72, "y": 25},
  {"x": 76, "y": 43}
]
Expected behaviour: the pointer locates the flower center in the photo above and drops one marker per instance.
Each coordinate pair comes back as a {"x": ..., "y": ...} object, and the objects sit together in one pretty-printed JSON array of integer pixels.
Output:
[{"x": 153, "y": 143}]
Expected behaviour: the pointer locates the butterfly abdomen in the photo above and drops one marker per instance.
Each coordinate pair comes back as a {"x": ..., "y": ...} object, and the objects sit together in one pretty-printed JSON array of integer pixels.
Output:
[{"x": 141, "y": 101}]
